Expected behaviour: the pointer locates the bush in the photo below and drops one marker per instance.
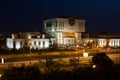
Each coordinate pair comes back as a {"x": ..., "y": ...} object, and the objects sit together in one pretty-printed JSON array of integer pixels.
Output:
[
  {"x": 22, "y": 73},
  {"x": 102, "y": 60}
]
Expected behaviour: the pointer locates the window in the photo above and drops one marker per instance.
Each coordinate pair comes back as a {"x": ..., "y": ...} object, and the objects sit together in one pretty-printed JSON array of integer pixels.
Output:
[
  {"x": 25, "y": 43},
  {"x": 38, "y": 36},
  {"x": 56, "y": 23},
  {"x": 80, "y": 25},
  {"x": 20, "y": 43},
  {"x": 69, "y": 40},
  {"x": 39, "y": 42},
  {"x": 49, "y": 24},
  {"x": 43, "y": 43},
  {"x": 34, "y": 42},
  {"x": 61, "y": 24},
  {"x": 14, "y": 44}
]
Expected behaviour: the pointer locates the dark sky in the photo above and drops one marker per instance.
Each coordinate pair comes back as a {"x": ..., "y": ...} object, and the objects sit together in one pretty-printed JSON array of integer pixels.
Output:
[{"x": 27, "y": 15}]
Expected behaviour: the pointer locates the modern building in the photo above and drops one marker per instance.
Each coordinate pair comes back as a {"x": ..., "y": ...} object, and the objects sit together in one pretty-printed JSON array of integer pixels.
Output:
[
  {"x": 101, "y": 40},
  {"x": 33, "y": 40},
  {"x": 65, "y": 31}
]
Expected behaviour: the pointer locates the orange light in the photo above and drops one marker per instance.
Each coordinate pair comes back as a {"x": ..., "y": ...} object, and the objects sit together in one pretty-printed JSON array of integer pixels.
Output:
[{"x": 94, "y": 66}]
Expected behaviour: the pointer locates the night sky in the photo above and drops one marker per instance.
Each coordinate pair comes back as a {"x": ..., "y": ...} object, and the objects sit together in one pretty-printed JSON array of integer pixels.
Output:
[{"x": 27, "y": 15}]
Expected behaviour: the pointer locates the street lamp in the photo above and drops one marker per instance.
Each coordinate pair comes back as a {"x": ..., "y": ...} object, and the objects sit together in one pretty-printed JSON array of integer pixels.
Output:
[
  {"x": 0, "y": 76},
  {"x": 85, "y": 54},
  {"x": 30, "y": 48},
  {"x": 2, "y": 60},
  {"x": 94, "y": 66}
]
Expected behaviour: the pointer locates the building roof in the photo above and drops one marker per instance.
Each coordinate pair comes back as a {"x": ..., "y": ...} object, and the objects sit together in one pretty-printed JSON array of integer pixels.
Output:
[{"x": 101, "y": 35}]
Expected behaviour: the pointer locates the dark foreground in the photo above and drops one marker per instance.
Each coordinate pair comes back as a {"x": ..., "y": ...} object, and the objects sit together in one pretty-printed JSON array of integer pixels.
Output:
[{"x": 86, "y": 73}]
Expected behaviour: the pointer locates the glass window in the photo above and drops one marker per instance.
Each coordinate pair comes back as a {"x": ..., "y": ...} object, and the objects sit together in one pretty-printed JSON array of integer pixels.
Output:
[
  {"x": 49, "y": 24},
  {"x": 63, "y": 24},
  {"x": 39, "y": 43},
  {"x": 56, "y": 23},
  {"x": 20, "y": 43},
  {"x": 14, "y": 44},
  {"x": 34, "y": 42},
  {"x": 59, "y": 24},
  {"x": 43, "y": 43}
]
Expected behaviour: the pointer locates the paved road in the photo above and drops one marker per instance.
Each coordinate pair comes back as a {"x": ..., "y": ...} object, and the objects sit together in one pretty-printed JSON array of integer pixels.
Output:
[
  {"x": 114, "y": 57},
  {"x": 65, "y": 56}
]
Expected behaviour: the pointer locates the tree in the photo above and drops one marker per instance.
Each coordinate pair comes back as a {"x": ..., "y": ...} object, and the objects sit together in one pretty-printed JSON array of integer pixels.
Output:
[
  {"x": 102, "y": 60},
  {"x": 22, "y": 73}
]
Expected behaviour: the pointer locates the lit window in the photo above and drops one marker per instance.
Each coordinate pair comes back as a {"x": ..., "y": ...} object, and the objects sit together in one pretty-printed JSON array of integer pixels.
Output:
[
  {"x": 38, "y": 36},
  {"x": 29, "y": 36}
]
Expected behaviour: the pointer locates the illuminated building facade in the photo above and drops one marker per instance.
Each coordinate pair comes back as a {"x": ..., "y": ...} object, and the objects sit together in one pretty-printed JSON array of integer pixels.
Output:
[
  {"x": 102, "y": 40},
  {"x": 63, "y": 32},
  {"x": 33, "y": 40},
  {"x": 66, "y": 31}
]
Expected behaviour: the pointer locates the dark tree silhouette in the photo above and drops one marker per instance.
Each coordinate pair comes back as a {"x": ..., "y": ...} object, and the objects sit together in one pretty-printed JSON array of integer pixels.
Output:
[
  {"x": 22, "y": 73},
  {"x": 102, "y": 60}
]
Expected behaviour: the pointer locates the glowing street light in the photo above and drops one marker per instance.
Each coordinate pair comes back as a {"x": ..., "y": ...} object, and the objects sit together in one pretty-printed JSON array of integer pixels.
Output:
[
  {"x": 0, "y": 75},
  {"x": 85, "y": 54},
  {"x": 94, "y": 66},
  {"x": 2, "y": 60}
]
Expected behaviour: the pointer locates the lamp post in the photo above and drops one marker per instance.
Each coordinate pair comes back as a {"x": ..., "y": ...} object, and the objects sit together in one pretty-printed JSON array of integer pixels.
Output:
[
  {"x": 85, "y": 54},
  {"x": 119, "y": 56},
  {"x": 30, "y": 48},
  {"x": 2, "y": 60}
]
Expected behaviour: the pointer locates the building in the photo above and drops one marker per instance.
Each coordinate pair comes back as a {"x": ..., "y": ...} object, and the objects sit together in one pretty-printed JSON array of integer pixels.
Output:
[
  {"x": 101, "y": 40},
  {"x": 65, "y": 31},
  {"x": 33, "y": 40}
]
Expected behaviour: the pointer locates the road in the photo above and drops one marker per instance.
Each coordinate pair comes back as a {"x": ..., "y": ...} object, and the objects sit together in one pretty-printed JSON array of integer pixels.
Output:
[
  {"x": 114, "y": 57},
  {"x": 29, "y": 59}
]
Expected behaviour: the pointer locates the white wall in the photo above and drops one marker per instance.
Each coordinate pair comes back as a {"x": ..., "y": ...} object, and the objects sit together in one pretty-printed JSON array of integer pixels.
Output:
[
  {"x": 9, "y": 43},
  {"x": 79, "y": 25},
  {"x": 30, "y": 43}
]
